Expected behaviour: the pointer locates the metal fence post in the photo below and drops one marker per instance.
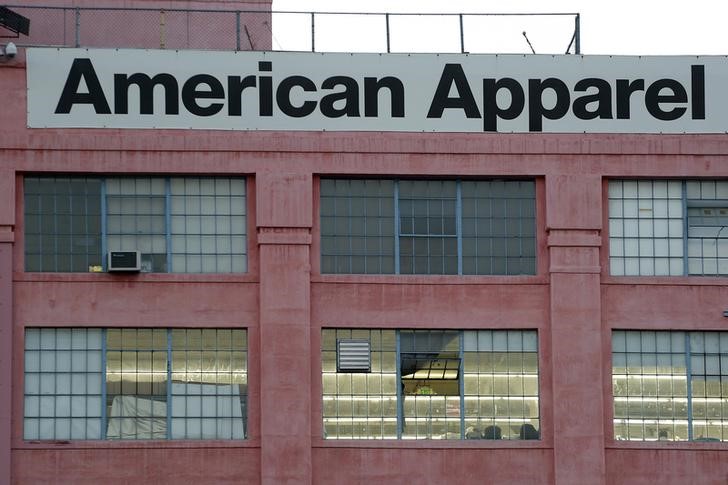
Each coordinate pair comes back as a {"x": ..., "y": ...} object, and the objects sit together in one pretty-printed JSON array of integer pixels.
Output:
[
  {"x": 577, "y": 35},
  {"x": 313, "y": 33},
  {"x": 237, "y": 31},
  {"x": 462, "y": 36},
  {"x": 78, "y": 27},
  {"x": 386, "y": 19}
]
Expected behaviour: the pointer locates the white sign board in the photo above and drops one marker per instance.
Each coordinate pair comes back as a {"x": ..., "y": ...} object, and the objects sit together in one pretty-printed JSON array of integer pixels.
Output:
[{"x": 103, "y": 88}]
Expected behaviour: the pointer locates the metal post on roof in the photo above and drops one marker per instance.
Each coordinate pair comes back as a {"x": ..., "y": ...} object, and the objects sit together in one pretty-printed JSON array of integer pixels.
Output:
[
  {"x": 386, "y": 19},
  {"x": 577, "y": 35},
  {"x": 462, "y": 36},
  {"x": 78, "y": 27},
  {"x": 313, "y": 33},
  {"x": 237, "y": 31}
]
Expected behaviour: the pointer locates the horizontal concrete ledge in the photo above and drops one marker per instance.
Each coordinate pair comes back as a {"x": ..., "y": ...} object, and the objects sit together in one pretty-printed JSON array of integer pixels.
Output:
[
  {"x": 574, "y": 238},
  {"x": 512, "y": 445},
  {"x": 576, "y": 269},
  {"x": 284, "y": 235},
  {"x": 6, "y": 235}
]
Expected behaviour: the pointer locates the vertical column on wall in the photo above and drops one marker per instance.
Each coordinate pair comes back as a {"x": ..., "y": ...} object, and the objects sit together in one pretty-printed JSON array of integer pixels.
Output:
[
  {"x": 574, "y": 221},
  {"x": 7, "y": 222},
  {"x": 284, "y": 218}
]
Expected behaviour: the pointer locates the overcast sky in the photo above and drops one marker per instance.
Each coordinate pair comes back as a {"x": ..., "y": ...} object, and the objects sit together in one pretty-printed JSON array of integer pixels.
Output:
[{"x": 607, "y": 27}]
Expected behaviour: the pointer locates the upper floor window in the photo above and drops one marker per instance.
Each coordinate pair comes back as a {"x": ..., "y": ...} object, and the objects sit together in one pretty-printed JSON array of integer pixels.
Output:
[
  {"x": 670, "y": 385},
  {"x": 468, "y": 227},
  {"x": 93, "y": 383},
  {"x": 668, "y": 227},
  {"x": 179, "y": 224},
  {"x": 430, "y": 384}
]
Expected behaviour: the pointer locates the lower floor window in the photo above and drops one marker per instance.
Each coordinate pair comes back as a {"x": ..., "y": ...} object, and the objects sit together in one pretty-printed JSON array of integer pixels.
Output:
[
  {"x": 430, "y": 384},
  {"x": 670, "y": 385},
  {"x": 92, "y": 383}
]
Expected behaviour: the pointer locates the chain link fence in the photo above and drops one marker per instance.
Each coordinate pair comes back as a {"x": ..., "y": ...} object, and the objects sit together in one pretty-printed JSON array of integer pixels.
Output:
[{"x": 298, "y": 31}]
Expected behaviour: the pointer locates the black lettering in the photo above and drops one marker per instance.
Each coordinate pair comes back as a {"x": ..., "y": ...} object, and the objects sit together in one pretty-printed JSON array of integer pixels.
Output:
[
  {"x": 491, "y": 110},
  {"x": 653, "y": 99},
  {"x": 453, "y": 74},
  {"x": 625, "y": 88},
  {"x": 537, "y": 111},
  {"x": 283, "y": 96},
  {"x": 236, "y": 86},
  {"x": 697, "y": 87},
  {"x": 190, "y": 95},
  {"x": 350, "y": 96},
  {"x": 372, "y": 86},
  {"x": 265, "y": 92},
  {"x": 82, "y": 69},
  {"x": 603, "y": 98},
  {"x": 122, "y": 82}
]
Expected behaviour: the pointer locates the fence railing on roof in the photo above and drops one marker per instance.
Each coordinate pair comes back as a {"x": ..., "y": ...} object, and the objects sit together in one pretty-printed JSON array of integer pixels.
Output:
[{"x": 148, "y": 28}]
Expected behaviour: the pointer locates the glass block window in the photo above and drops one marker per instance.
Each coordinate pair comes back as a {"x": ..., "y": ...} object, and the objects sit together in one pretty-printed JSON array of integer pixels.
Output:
[
  {"x": 501, "y": 384},
  {"x": 434, "y": 384},
  {"x": 670, "y": 385},
  {"x": 360, "y": 405},
  {"x": 180, "y": 224},
  {"x": 62, "y": 224},
  {"x": 132, "y": 384},
  {"x": 484, "y": 227},
  {"x": 63, "y": 384},
  {"x": 668, "y": 227}
]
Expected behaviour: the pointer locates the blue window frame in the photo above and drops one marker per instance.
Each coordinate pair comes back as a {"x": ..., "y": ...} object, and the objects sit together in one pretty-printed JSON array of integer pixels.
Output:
[
  {"x": 467, "y": 227},
  {"x": 179, "y": 224}
]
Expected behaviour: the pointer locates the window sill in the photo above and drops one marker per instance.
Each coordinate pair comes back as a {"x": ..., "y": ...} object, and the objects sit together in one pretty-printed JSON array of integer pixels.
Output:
[
  {"x": 430, "y": 279},
  {"x": 138, "y": 277},
  {"x": 130, "y": 444},
  {"x": 667, "y": 445},
  {"x": 665, "y": 280},
  {"x": 431, "y": 444}
]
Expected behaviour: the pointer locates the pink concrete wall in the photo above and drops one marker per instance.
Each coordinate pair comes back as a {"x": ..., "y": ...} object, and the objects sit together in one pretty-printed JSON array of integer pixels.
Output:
[
  {"x": 284, "y": 302},
  {"x": 124, "y": 465},
  {"x": 422, "y": 465},
  {"x": 667, "y": 467}
]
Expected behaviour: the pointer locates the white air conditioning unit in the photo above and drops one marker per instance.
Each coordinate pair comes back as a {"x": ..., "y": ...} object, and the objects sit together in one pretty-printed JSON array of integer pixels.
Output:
[{"x": 129, "y": 261}]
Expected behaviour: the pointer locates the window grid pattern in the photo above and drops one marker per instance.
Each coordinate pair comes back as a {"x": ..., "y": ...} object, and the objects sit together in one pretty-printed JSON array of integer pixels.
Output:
[
  {"x": 650, "y": 386},
  {"x": 670, "y": 385},
  {"x": 62, "y": 223},
  {"x": 492, "y": 395},
  {"x": 209, "y": 384},
  {"x": 208, "y": 220},
  {"x": 357, "y": 226},
  {"x": 135, "y": 384},
  {"x": 668, "y": 227},
  {"x": 501, "y": 384},
  {"x": 135, "y": 219},
  {"x": 63, "y": 384},
  {"x": 482, "y": 227},
  {"x": 707, "y": 215},
  {"x": 431, "y": 409},
  {"x": 427, "y": 232},
  {"x": 646, "y": 227},
  {"x": 181, "y": 225},
  {"x": 499, "y": 224},
  {"x": 360, "y": 405}
]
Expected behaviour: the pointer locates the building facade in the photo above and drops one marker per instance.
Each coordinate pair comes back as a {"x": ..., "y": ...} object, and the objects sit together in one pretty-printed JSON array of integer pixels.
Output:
[{"x": 313, "y": 303}]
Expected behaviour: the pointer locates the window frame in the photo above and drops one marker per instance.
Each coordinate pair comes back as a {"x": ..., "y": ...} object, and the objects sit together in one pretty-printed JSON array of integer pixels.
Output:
[
  {"x": 104, "y": 394},
  {"x": 537, "y": 263},
  {"x": 690, "y": 398},
  {"x": 237, "y": 268},
  {"x": 643, "y": 250},
  {"x": 396, "y": 395}
]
